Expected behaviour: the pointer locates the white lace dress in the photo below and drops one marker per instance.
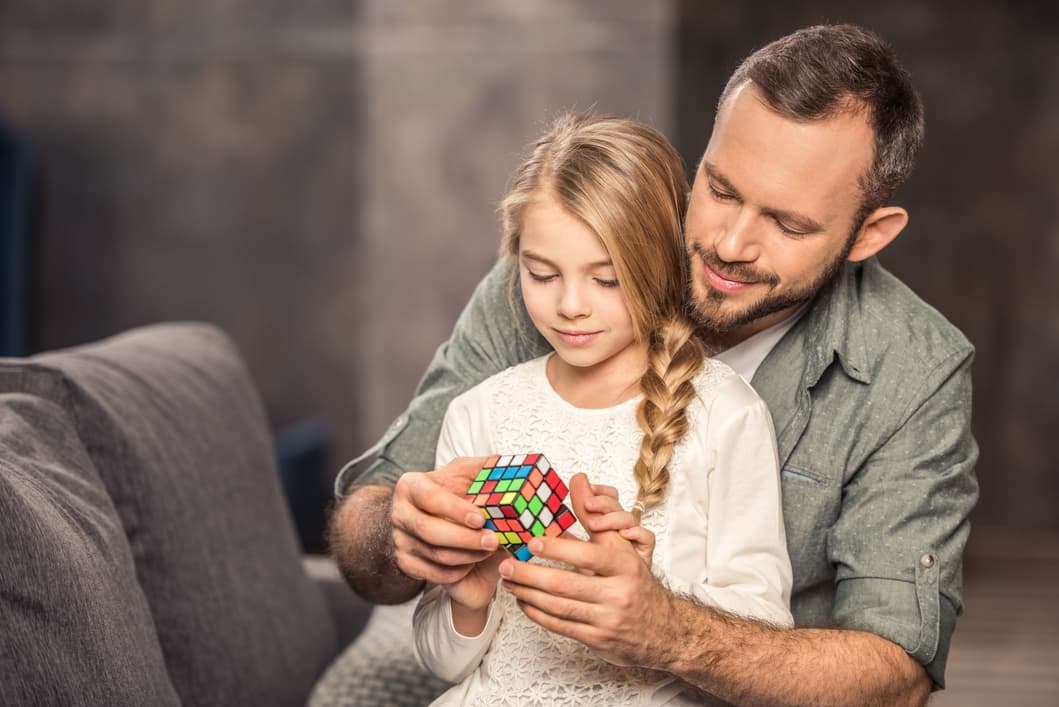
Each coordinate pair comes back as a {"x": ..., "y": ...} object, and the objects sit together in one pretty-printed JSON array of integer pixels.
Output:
[{"x": 719, "y": 532}]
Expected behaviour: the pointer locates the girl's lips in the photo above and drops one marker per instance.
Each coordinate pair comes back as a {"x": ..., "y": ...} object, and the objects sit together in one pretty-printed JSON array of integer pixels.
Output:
[
  {"x": 722, "y": 283},
  {"x": 577, "y": 338}
]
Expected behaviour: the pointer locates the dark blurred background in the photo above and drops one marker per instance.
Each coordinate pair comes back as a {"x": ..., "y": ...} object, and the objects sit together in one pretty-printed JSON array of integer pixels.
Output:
[{"x": 320, "y": 178}]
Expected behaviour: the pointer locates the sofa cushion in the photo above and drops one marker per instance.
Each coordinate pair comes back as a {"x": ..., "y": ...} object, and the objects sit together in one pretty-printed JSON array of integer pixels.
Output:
[
  {"x": 75, "y": 628},
  {"x": 172, "y": 422}
]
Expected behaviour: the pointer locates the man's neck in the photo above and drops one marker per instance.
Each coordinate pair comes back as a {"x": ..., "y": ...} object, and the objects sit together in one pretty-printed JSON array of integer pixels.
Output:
[
  {"x": 748, "y": 354},
  {"x": 717, "y": 342}
]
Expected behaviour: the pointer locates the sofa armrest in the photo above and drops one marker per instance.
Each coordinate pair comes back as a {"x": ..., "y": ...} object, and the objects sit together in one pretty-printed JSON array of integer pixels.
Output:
[{"x": 351, "y": 613}]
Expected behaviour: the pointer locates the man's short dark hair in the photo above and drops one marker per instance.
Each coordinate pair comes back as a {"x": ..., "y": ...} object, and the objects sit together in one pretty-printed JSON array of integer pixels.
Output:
[{"x": 818, "y": 72}]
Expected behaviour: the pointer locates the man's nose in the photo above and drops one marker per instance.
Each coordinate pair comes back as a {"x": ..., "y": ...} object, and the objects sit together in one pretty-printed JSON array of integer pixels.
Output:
[{"x": 740, "y": 239}]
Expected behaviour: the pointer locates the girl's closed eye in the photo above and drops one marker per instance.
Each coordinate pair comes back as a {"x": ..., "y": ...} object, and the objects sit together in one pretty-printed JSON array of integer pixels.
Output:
[
  {"x": 541, "y": 276},
  {"x": 607, "y": 282}
]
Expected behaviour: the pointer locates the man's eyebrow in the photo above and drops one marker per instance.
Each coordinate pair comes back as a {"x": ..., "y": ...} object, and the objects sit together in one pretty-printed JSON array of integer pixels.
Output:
[
  {"x": 715, "y": 176},
  {"x": 530, "y": 255},
  {"x": 792, "y": 219}
]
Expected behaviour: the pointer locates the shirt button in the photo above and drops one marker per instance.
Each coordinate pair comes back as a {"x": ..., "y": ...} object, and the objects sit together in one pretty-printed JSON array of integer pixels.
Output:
[{"x": 927, "y": 561}]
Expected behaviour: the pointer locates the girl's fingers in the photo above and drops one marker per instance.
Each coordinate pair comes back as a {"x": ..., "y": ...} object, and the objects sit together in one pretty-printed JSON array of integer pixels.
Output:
[{"x": 617, "y": 520}]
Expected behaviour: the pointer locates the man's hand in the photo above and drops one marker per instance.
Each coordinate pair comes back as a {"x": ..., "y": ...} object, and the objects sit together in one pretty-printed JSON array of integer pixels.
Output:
[
  {"x": 437, "y": 534},
  {"x": 386, "y": 541},
  {"x": 619, "y": 610},
  {"x": 614, "y": 605}
]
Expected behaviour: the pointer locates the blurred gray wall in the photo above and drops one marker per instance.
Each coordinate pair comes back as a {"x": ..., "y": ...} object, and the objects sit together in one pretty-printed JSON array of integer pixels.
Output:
[{"x": 320, "y": 178}]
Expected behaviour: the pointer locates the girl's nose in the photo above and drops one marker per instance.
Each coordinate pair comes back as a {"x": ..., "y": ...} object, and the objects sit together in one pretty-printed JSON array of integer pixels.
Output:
[{"x": 572, "y": 303}]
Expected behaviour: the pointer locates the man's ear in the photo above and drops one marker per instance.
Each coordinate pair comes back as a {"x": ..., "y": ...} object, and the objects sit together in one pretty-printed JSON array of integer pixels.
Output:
[{"x": 878, "y": 231}]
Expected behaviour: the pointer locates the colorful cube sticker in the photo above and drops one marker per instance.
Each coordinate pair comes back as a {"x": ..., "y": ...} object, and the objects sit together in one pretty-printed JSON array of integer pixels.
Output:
[{"x": 521, "y": 497}]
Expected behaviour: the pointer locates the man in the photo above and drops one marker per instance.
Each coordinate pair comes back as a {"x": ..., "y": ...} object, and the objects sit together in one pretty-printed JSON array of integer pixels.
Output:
[{"x": 869, "y": 389}]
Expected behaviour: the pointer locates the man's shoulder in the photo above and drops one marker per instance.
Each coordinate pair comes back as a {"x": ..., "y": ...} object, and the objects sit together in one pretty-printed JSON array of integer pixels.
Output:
[
  {"x": 896, "y": 323},
  {"x": 887, "y": 342}
]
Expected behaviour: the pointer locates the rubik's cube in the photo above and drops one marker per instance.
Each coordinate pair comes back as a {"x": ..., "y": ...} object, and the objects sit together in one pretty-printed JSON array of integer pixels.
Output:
[{"x": 521, "y": 498}]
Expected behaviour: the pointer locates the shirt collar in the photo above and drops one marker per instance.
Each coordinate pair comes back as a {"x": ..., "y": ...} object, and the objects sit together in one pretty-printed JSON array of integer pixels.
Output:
[
  {"x": 745, "y": 357},
  {"x": 835, "y": 327}
]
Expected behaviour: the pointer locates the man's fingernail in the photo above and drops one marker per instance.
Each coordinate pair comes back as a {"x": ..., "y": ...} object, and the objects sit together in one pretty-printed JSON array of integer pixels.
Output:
[
  {"x": 489, "y": 541},
  {"x": 536, "y": 545},
  {"x": 506, "y": 569},
  {"x": 475, "y": 520}
]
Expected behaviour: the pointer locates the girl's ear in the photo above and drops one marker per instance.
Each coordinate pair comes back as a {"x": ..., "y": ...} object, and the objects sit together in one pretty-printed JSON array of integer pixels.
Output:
[{"x": 879, "y": 229}]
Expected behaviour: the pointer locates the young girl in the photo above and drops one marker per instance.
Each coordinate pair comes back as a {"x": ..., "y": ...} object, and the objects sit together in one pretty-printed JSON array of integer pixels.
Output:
[{"x": 593, "y": 221}]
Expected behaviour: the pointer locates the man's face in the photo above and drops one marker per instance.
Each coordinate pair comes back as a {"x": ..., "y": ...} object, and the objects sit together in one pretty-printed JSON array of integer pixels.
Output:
[{"x": 771, "y": 214}]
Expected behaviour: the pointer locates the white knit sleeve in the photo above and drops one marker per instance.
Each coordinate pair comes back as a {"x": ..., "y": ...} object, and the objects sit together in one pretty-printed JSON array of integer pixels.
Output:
[
  {"x": 437, "y": 645},
  {"x": 748, "y": 570}
]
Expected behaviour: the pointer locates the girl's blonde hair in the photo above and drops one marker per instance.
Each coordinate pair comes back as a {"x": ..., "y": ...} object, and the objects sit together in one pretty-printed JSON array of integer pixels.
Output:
[{"x": 626, "y": 182}]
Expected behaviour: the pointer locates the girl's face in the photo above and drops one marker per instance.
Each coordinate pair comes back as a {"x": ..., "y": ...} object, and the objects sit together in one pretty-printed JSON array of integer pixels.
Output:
[{"x": 572, "y": 293}]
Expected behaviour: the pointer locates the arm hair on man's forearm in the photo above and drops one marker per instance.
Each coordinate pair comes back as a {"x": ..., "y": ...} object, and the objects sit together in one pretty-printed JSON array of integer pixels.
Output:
[{"x": 361, "y": 541}]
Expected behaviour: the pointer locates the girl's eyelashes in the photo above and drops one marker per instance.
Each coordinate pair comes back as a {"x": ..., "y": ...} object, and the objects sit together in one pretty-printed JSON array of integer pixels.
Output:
[
  {"x": 548, "y": 277},
  {"x": 539, "y": 277}
]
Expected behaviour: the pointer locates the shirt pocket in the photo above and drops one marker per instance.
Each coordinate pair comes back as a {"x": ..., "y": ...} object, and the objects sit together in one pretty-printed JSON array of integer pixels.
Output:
[{"x": 810, "y": 507}]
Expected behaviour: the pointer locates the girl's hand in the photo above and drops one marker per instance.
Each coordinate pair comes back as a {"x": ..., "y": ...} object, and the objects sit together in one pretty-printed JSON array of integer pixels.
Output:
[
  {"x": 643, "y": 541},
  {"x": 476, "y": 590},
  {"x": 601, "y": 514}
]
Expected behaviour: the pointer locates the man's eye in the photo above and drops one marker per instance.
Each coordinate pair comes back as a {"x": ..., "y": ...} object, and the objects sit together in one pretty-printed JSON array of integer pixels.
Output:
[
  {"x": 720, "y": 195},
  {"x": 791, "y": 231},
  {"x": 540, "y": 277}
]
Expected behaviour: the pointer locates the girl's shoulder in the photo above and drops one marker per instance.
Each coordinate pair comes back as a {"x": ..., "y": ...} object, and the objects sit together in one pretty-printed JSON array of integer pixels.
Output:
[
  {"x": 724, "y": 402},
  {"x": 517, "y": 379},
  {"x": 519, "y": 374},
  {"x": 718, "y": 386}
]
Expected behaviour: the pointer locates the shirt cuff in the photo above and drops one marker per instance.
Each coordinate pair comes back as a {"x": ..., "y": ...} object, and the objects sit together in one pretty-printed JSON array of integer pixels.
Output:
[
  {"x": 913, "y": 614},
  {"x": 382, "y": 472}
]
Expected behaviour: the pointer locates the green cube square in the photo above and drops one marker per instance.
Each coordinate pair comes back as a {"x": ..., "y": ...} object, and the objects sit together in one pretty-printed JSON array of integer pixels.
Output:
[
  {"x": 501, "y": 487},
  {"x": 537, "y": 528},
  {"x": 475, "y": 488},
  {"x": 535, "y": 505},
  {"x": 520, "y": 504},
  {"x": 482, "y": 475}
]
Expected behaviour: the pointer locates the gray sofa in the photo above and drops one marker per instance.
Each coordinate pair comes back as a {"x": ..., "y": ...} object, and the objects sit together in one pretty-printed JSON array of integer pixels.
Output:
[{"x": 146, "y": 553}]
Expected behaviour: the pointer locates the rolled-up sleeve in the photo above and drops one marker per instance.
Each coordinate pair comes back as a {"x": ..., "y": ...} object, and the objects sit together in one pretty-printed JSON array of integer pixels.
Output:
[{"x": 898, "y": 542}]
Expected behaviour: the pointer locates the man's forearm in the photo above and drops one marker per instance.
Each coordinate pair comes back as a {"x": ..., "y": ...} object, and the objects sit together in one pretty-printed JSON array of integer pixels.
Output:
[
  {"x": 362, "y": 545},
  {"x": 748, "y": 663}
]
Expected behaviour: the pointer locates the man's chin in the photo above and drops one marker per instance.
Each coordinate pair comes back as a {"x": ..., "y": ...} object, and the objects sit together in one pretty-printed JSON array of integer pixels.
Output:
[{"x": 711, "y": 315}]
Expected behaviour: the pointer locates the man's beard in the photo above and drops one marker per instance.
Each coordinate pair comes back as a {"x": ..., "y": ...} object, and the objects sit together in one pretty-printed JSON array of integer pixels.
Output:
[{"x": 706, "y": 312}]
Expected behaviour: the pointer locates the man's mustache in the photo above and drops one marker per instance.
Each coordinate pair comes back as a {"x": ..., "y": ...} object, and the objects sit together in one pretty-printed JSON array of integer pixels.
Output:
[{"x": 740, "y": 272}]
